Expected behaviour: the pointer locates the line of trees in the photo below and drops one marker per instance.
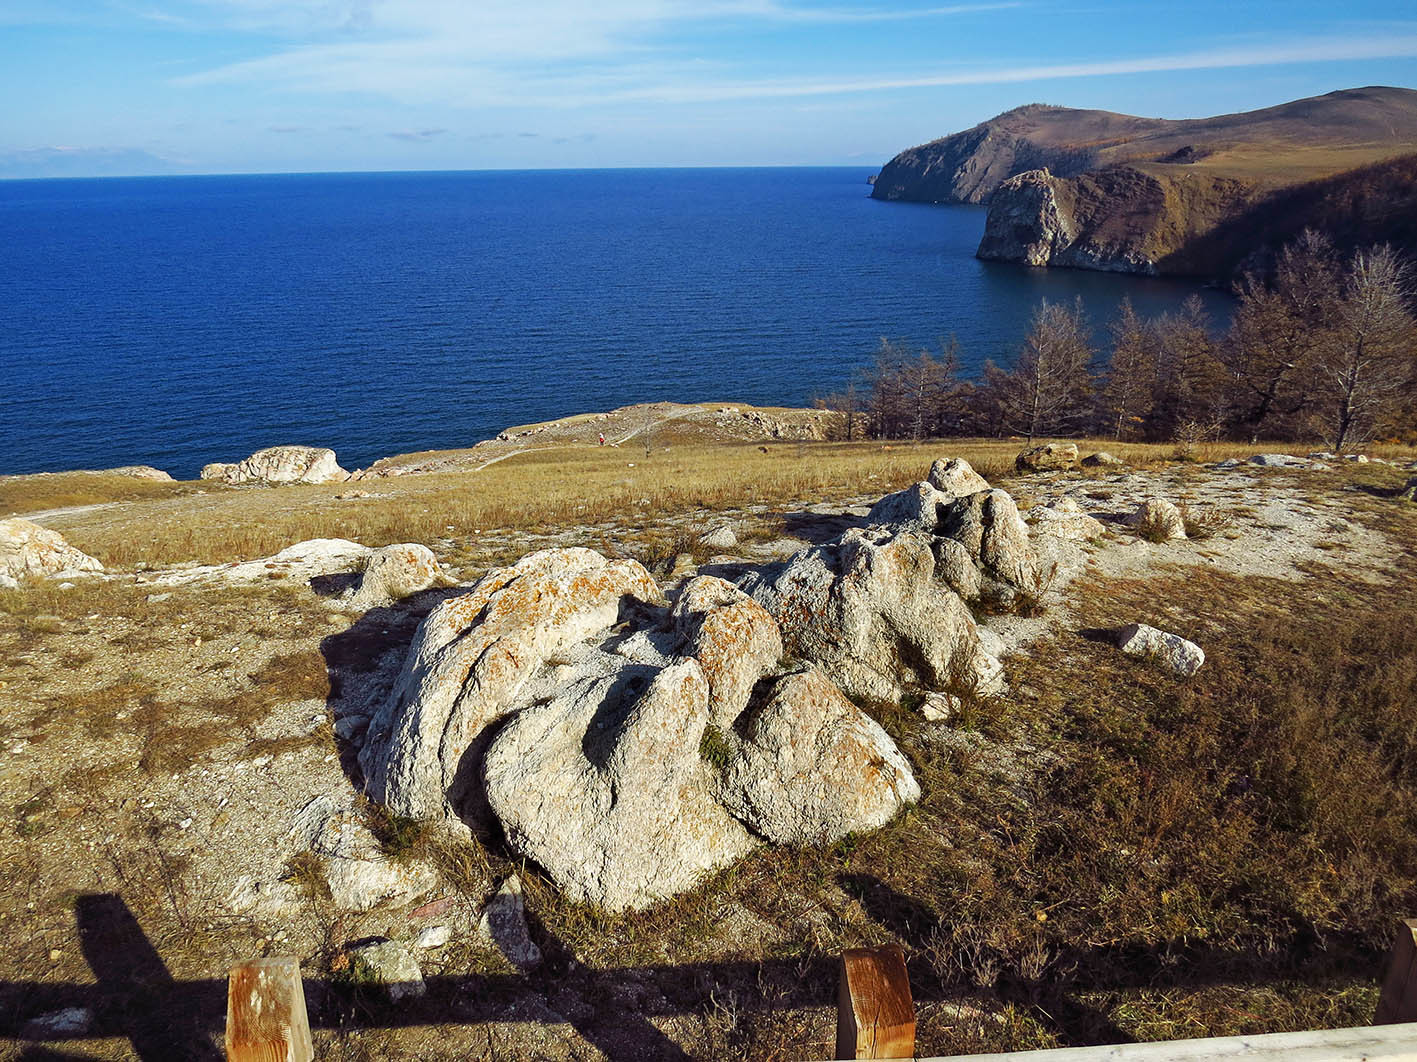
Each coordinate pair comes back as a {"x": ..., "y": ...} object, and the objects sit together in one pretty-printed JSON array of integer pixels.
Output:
[{"x": 1325, "y": 347}]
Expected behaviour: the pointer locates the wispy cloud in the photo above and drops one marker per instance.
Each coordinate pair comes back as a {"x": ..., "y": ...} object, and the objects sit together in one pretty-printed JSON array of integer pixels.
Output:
[
  {"x": 514, "y": 62},
  {"x": 417, "y": 135}
]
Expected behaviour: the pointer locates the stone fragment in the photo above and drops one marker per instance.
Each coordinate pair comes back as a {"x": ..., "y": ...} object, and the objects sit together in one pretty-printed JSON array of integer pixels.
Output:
[
  {"x": 1170, "y": 650},
  {"x": 1065, "y": 519},
  {"x": 813, "y": 767},
  {"x": 28, "y": 550},
  {"x": 61, "y": 1024},
  {"x": 1157, "y": 520},
  {"x": 1278, "y": 461},
  {"x": 1047, "y": 457},
  {"x": 503, "y": 923},
  {"x": 721, "y": 537},
  {"x": 358, "y": 873},
  {"x": 433, "y": 937},
  {"x": 1101, "y": 459},
  {"x": 940, "y": 707},
  {"x": 278, "y": 465},
  {"x": 915, "y": 508},
  {"x": 391, "y": 966}
]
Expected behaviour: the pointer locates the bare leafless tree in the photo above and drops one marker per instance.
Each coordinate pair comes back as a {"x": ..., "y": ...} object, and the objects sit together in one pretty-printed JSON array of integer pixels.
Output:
[
  {"x": 1131, "y": 373},
  {"x": 1278, "y": 333},
  {"x": 1048, "y": 391},
  {"x": 1369, "y": 368}
]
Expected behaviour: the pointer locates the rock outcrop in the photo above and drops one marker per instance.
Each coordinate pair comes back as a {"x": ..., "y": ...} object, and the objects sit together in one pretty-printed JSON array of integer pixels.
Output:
[
  {"x": 278, "y": 465},
  {"x": 565, "y": 698},
  {"x": 29, "y": 551},
  {"x": 869, "y": 611},
  {"x": 472, "y": 656},
  {"x": 980, "y": 542}
]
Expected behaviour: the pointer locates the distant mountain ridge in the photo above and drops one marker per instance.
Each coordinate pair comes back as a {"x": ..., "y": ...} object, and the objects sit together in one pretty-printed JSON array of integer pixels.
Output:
[{"x": 1203, "y": 197}]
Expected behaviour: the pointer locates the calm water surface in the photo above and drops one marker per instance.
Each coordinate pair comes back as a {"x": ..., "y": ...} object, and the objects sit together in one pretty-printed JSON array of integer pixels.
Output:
[{"x": 178, "y": 320}]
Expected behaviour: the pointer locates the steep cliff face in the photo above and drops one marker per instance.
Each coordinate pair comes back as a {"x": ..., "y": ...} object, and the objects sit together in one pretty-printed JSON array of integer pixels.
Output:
[
  {"x": 967, "y": 167},
  {"x": 1097, "y": 190},
  {"x": 1118, "y": 220}
]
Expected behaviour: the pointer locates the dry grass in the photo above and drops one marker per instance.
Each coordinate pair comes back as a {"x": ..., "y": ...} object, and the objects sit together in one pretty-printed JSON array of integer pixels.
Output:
[
  {"x": 542, "y": 491},
  {"x": 26, "y": 494}
]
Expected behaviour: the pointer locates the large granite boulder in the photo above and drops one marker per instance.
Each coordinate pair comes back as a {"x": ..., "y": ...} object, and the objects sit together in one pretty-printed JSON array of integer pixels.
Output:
[
  {"x": 604, "y": 787},
  {"x": 1047, "y": 458},
  {"x": 30, "y": 551},
  {"x": 471, "y": 657},
  {"x": 869, "y": 611},
  {"x": 565, "y": 698},
  {"x": 813, "y": 767},
  {"x": 278, "y": 465}
]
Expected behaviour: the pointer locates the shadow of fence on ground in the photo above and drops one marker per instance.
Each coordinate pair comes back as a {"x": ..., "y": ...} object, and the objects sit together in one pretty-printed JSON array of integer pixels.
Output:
[{"x": 134, "y": 997}]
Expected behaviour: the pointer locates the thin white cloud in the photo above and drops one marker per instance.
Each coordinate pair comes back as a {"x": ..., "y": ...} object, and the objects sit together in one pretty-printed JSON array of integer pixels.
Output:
[
  {"x": 576, "y": 68},
  {"x": 1327, "y": 49}
]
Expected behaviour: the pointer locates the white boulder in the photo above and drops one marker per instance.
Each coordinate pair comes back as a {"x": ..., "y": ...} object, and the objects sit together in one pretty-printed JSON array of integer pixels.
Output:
[
  {"x": 1158, "y": 520},
  {"x": 813, "y": 767},
  {"x": 1170, "y": 650},
  {"x": 392, "y": 573},
  {"x": 471, "y": 657},
  {"x": 30, "y": 551},
  {"x": 278, "y": 465},
  {"x": 1064, "y": 519}
]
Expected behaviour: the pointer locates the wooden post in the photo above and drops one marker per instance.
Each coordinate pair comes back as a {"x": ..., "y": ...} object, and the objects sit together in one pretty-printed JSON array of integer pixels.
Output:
[
  {"x": 265, "y": 1013},
  {"x": 875, "y": 1015},
  {"x": 1398, "y": 1002}
]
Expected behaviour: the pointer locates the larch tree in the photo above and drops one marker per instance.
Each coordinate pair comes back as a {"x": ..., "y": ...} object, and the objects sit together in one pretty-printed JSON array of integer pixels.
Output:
[
  {"x": 1131, "y": 373},
  {"x": 1369, "y": 370},
  {"x": 1191, "y": 382},
  {"x": 1277, "y": 335},
  {"x": 1049, "y": 389}
]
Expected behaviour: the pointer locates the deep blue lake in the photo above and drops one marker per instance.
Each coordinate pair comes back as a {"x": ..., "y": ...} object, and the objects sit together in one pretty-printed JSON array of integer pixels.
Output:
[{"x": 178, "y": 320}]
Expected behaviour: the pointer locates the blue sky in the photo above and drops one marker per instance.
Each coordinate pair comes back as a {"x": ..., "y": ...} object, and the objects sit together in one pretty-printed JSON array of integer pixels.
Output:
[{"x": 225, "y": 86}]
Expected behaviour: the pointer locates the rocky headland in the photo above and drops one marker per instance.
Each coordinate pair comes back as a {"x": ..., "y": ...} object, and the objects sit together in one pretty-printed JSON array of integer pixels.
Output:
[{"x": 1201, "y": 197}]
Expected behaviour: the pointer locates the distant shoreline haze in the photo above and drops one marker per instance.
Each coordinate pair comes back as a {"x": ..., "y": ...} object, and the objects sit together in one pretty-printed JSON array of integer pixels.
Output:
[{"x": 174, "y": 321}]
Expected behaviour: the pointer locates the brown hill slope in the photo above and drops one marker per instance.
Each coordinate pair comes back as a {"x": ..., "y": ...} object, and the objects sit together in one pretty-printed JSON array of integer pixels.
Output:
[{"x": 1302, "y": 140}]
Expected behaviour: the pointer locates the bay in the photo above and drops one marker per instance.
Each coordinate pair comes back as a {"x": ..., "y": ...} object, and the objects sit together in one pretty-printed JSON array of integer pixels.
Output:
[{"x": 178, "y": 320}]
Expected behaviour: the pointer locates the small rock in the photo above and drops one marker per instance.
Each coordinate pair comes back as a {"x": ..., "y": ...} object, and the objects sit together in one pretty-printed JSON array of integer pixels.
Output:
[
  {"x": 348, "y": 727},
  {"x": 390, "y": 965},
  {"x": 940, "y": 707},
  {"x": 433, "y": 936},
  {"x": 153, "y": 599},
  {"x": 1047, "y": 457},
  {"x": 503, "y": 923},
  {"x": 1409, "y": 492},
  {"x": 1279, "y": 461},
  {"x": 59, "y": 1024},
  {"x": 720, "y": 537},
  {"x": 1101, "y": 459},
  {"x": 1064, "y": 519},
  {"x": 1158, "y": 520},
  {"x": 1171, "y": 650}
]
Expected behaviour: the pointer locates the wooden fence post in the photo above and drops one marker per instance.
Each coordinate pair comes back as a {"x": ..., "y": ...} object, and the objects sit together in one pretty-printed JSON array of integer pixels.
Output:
[
  {"x": 1398, "y": 1002},
  {"x": 265, "y": 1013},
  {"x": 875, "y": 1015}
]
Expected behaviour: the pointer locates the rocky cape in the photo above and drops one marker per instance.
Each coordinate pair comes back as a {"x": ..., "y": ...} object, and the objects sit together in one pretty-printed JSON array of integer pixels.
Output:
[{"x": 1204, "y": 197}]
